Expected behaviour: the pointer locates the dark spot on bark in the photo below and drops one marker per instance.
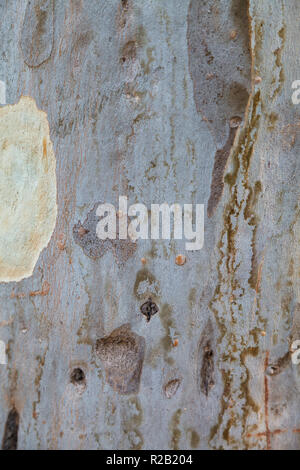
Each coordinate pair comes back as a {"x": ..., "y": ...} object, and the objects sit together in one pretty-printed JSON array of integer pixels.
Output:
[
  {"x": 239, "y": 15},
  {"x": 278, "y": 408},
  {"x": 272, "y": 121},
  {"x": 206, "y": 360},
  {"x": 273, "y": 369},
  {"x": 171, "y": 387},
  {"x": 149, "y": 308},
  {"x": 85, "y": 236},
  {"x": 122, "y": 353},
  {"x": 145, "y": 285},
  {"x": 37, "y": 32},
  {"x": 279, "y": 365},
  {"x": 195, "y": 439},
  {"x": 77, "y": 376},
  {"x": 83, "y": 40},
  {"x": 237, "y": 98},
  {"x": 10, "y": 438},
  {"x": 128, "y": 51},
  {"x": 207, "y": 369},
  {"x": 221, "y": 158}
]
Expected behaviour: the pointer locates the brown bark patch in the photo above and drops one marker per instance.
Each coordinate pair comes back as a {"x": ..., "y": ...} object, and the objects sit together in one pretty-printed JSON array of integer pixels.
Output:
[{"x": 122, "y": 353}]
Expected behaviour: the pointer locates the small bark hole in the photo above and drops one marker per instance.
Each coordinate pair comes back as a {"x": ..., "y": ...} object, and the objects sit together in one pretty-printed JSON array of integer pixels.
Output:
[
  {"x": 149, "y": 309},
  {"x": 77, "y": 376}
]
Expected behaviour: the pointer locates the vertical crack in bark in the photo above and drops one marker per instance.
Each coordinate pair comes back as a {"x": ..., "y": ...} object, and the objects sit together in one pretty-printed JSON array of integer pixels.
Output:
[
  {"x": 207, "y": 370},
  {"x": 10, "y": 437},
  {"x": 221, "y": 158},
  {"x": 206, "y": 360}
]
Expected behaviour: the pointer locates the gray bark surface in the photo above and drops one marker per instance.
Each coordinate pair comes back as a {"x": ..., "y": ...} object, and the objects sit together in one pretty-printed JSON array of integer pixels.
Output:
[{"x": 159, "y": 101}]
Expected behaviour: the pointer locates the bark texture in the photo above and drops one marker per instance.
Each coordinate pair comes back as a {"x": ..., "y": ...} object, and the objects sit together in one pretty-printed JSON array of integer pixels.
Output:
[{"x": 182, "y": 101}]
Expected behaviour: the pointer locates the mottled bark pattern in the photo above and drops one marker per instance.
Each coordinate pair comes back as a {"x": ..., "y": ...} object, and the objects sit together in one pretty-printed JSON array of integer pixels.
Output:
[{"x": 140, "y": 96}]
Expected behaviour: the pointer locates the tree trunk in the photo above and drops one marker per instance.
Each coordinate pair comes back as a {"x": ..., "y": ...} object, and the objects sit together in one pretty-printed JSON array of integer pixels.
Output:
[{"x": 177, "y": 101}]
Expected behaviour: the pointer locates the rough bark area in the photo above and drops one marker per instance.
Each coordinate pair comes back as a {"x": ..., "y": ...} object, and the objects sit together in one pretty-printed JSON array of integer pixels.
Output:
[{"x": 181, "y": 101}]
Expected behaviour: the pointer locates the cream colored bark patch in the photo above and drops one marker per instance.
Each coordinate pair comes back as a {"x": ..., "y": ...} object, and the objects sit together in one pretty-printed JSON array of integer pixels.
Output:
[{"x": 27, "y": 188}]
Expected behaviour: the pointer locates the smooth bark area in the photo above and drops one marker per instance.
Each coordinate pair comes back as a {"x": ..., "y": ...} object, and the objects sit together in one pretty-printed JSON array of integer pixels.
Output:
[{"x": 177, "y": 101}]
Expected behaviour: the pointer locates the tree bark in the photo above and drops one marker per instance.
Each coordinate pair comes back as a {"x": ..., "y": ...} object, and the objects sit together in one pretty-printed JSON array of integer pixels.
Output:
[{"x": 174, "y": 101}]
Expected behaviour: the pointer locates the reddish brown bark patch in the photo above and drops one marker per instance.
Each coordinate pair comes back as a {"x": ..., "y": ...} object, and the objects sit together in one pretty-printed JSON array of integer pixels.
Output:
[{"x": 122, "y": 353}]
